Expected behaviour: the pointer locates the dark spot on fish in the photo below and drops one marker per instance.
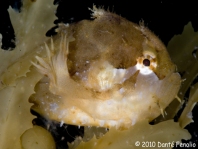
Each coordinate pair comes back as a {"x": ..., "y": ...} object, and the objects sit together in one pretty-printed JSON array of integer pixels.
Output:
[{"x": 146, "y": 62}]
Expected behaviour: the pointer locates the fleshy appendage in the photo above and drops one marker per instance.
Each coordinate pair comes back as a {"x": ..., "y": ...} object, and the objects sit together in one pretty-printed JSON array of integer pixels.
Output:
[{"x": 105, "y": 96}]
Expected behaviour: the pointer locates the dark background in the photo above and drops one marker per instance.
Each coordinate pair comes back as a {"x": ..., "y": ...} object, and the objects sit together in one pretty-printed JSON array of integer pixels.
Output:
[{"x": 164, "y": 18}]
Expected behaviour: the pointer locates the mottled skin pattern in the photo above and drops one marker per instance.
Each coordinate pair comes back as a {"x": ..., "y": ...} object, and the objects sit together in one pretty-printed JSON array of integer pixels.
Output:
[{"x": 96, "y": 74}]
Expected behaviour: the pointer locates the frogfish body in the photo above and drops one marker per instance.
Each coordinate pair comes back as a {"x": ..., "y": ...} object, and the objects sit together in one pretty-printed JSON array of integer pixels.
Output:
[{"x": 106, "y": 72}]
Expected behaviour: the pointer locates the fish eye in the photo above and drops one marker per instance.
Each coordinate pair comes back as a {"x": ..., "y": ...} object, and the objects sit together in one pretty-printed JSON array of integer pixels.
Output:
[{"x": 146, "y": 62}]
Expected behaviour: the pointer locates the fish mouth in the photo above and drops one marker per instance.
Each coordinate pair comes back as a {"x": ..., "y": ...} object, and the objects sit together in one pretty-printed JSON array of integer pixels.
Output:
[{"x": 126, "y": 95}]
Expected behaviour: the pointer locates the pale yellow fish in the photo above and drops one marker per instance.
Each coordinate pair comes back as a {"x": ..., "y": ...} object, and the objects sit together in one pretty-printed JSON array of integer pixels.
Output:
[{"x": 106, "y": 72}]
